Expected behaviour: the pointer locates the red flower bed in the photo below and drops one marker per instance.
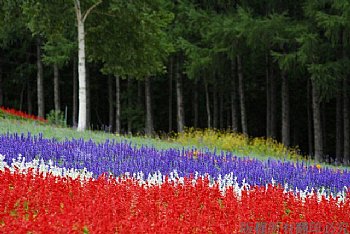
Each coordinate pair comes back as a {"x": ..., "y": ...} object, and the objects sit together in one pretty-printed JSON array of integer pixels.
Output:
[
  {"x": 34, "y": 204},
  {"x": 21, "y": 114}
]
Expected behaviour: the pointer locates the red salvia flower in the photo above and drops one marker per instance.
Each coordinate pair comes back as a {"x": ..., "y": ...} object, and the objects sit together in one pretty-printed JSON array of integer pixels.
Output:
[{"x": 35, "y": 204}]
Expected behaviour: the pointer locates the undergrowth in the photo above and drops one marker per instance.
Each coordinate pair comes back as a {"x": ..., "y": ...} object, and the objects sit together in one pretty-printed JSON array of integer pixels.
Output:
[{"x": 236, "y": 143}]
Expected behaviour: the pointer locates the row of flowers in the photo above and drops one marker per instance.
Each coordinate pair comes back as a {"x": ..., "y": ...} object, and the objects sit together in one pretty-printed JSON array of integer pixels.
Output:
[
  {"x": 33, "y": 199},
  {"x": 75, "y": 186},
  {"x": 118, "y": 158},
  {"x": 227, "y": 182},
  {"x": 22, "y": 115}
]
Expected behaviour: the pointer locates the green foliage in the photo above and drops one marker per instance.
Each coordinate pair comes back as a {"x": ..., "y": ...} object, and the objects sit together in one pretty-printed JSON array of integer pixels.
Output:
[
  {"x": 3, "y": 115},
  {"x": 130, "y": 38},
  {"x": 58, "y": 49},
  {"x": 56, "y": 118},
  {"x": 324, "y": 42},
  {"x": 135, "y": 116},
  {"x": 53, "y": 21},
  {"x": 12, "y": 23}
]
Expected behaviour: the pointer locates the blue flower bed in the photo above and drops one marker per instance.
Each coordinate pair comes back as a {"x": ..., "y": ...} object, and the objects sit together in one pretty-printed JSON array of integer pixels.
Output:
[{"x": 121, "y": 157}]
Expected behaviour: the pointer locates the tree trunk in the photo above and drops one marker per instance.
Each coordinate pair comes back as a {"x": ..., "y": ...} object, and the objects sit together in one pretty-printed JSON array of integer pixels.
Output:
[
  {"x": 130, "y": 117},
  {"x": 346, "y": 122},
  {"x": 318, "y": 138},
  {"x": 295, "y": 134},
  {"x": 21, "y": 98},
  {"x": 149, "y": 118},
  {"x": 195, "y": 103},
  {"x": 117, "y": 104},
  {"x": 324, "y": 127},
  {"x": 75, "y": 94},
  {"x": 139, "y": 94},
  {"x": 170, "y": 100},
  {"x": 56, "y": 85},
  {"x": 207, "y": 101},
  {"x": 40, "y": 81},
  {"x": 309, "y": 120},
  {"x": 141, "y": 98},
  {"x": 339, "y": 127},
  {"x": 179, "y": 98},
  {"x": 82, "y": 119},
  {"x": 110, "y": 103},
  {"x": 221, "y": 110},
  {"x": 228, "y": 120},
  {"x": 268, "y": 98},
  {"x": 29, "y": 97},
  {"x": 285, "y": 111},
  {"x": 27, "y": 86},
  {"x": 88, "y": 98},
  {"x": 1, "y": 88},
  {"x": 241, "y": 96},
  {"x": 215, "y": 104},
  {"x": 273, "y": 104},
  {"x": 234, "y": 122}
]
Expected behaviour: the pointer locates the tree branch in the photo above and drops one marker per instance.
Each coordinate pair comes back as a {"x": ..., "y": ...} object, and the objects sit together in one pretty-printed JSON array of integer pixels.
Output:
[
  {"x": 90, "y": 9},
  {"x": 77, "y": 8}
]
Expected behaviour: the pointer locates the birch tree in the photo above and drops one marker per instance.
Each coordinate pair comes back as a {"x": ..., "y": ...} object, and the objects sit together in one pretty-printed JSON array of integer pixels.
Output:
[{"x": 81, "y": 17}]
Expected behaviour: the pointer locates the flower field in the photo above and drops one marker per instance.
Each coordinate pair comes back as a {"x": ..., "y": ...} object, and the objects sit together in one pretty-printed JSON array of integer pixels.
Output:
[
  {"x": 77, "y": 186},
  {"x": 16, "y": 114},
  {"x": 237, "y": 142}
]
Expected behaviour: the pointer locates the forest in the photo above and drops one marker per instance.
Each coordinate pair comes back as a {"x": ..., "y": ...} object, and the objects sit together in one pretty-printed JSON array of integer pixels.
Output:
[{"x": 266, "y": 68}]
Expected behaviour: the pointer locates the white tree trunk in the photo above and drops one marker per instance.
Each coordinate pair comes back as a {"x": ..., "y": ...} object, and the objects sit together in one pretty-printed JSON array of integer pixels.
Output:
[
  {"x": 81, "y": 62},
  {"x": 82, "y": 76}
]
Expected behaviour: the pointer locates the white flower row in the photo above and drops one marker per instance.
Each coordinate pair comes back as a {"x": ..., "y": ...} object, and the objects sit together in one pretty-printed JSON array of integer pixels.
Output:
[
  {"x": 40, "y": 167},
  {"x": 224, "y": 183},
  {"x": 229, "y": 181}
]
